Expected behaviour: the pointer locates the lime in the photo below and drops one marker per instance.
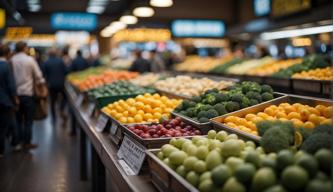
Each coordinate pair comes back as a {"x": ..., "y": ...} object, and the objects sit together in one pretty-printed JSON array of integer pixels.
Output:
[
  {"x": 177, "y": 157},
  {"x": 173, "y": 141},
  {"x": 167, "y": 149},
  {"x": 275, "y": 188},
  {"x": 160, "y": 155},
  {"x": 232, "y": 185},
  {"x": 202, "y": 152},
  {"x": 294, "y": 178},
  {"x": 324, "y": 158},
  {"x": 213, "y": 159},
  {"x": 189, "y": 163},
  {"x": 206, "y": 185},
  {"x": 245, "y": 172},
  {"x": 268, "y": 162},
  {"x": 181, "y": 170},
  {"x": 214, "y": 144},
  {"x": 221, "y": 135},
  {"x": 200, "y": 166},
  {"x": 263, "y": 179},
  {"x": 284, "y": 159},
  {"x": 211, "y": 134},
  {"x": 231, "y": 147},
  {"x": 234, "y": 162},
  {"x": 232, "y": 136},
  {"x": 318, "y": 186},
  {"x": 179, "y": 142},
  {"x": 205, "y": 175},
  {"x": 220, "y": 174},
  {"x": 192, "y": 178},
  {"x": 253, "y": 158},
  {"x": 309, "y": 163}
]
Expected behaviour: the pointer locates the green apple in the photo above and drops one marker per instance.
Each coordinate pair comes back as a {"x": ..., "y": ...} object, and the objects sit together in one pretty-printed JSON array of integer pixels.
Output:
[
  {"x": 189, "y": 162},
  {"x": 177, "y": 157},
  {"x": 206, "y": 185},
  {"x": 200, "y": 166},
  {"x": 192, "y": 150},
  {"x": 221, "y": 174},
  {"x": 232, "y": 185},
  {"x": 160, "y": 155},
  {"x": 232, "y": 136},
  {"x": 205, "y": 175},
  {"x": 233, "y": 163},
  {"x": 192, "y": 178},
  {"x": 202, "y": 152},
  {"x": 211, "y": 134},
  {"x": 167, "y": 149},
  {"x": 181, "y": 170},
  {"x": 221, "y": 136},
  {"x": 231, "y": 147},
  {"x": 213, "y": 159}
]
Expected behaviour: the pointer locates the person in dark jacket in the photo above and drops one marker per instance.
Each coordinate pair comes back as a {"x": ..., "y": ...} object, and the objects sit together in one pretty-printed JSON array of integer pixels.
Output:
[
  {"x": 79, "y": 63},
  {"x": 140, "y": 64},
  {"x": 8, "y": 98},
  {"x": 55, "y": 73}
]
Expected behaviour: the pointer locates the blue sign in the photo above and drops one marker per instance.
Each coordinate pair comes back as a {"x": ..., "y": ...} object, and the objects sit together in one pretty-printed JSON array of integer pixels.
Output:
[
  {"x": 198, "y": 28},
  {"x": 262, "y": 7},
  {"x": 74, "y": 21}
]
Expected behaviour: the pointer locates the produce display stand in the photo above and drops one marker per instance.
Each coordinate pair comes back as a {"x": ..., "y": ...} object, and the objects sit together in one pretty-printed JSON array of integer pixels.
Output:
[
  {"x": 260, "y": 108},
  {"x": 104, "y": 154}
]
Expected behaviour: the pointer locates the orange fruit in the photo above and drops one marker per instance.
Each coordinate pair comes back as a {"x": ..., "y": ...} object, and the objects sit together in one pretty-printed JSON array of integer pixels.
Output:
[
  {"x": 130, "y": 101},
  {"x": 123, "y": 119},
  {"x": 327, "y": 112},
  {"x": 139, "y": 105},
  {"x": 130, "y": 120},
  {"x": 257, "y": 119},
  {"x": 313, "y": 110},
  {"x": 125, "y": 113},
  {"x": 293, "y": 115},
  {"x": 119, "y": 109},
  {"x": 147, "y": 95},
  {"x": 147, "y": 109},
  {"x": 132, "y": 111},
  {"x": 118, "y": 116},
  {"x": 141, "y": 112},
  {"x": 297, "y": 122},
  {"x": 320, "y": 108},
  {"x": 326, "y": 121},
  {"x": 138, "y": 118},
  {"x": 147, "y": 116},
  {"x": 156, "y": 96},
  {"x": 283, "y": 119},
  {"x": 289, "y": 109},
  {"x": 249, "y": 116},
  {"x": 231, "y": 124},
  {"x": 305, "y": 113},
  {"x": 262, "y": 115},
  {"x": 157, "y": 110},
  {"x": 269, "y": 111},
  {"x": 314, "y": 119},
  {"x": 280, "y": 115},
  {"x": 308, "y": 125},
  {"x": 157, "y": 115},
  {"x": 231, "y": 119}
]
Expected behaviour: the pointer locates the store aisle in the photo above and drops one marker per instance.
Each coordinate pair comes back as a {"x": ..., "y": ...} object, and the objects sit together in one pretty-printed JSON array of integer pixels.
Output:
[{"x": 52, "y": 167}]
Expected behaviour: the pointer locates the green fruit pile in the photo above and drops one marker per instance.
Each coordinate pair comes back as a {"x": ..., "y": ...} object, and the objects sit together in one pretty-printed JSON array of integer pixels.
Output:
[
  {"x": 216, "y": 102},
  {"x": 222, "y": 162},
  {"x": 119, "y": 88}
]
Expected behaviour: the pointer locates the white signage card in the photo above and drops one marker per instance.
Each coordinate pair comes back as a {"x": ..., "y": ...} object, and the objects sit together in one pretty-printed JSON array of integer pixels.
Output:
[
  {"x": 132, "y": 153},
  {"x": 101, "y": 122},
  {"x": 91, "y": 108},
  {"x": 114, "y": 127},
  {"x": 126, "y": 168},
  {"x": 79, "y": 100}
]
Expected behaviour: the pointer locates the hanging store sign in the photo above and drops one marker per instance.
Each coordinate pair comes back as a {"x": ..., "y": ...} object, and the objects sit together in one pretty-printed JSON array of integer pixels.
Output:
[
  {"x": 14, "y": 33},
  {"x": 283, "y": 8},
  {"x": 262, "y": 7},
  {"x": 2, "y": 18},
  {"x": 198, "y": 28},
  {"x": 142, "y": 35},
  {"x": 74, "y": 21}
]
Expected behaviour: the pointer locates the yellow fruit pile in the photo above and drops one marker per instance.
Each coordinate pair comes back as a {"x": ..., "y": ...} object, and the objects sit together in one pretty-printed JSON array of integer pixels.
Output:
[
  {"x": 141, "y": 109},
  {"x": 317, "y": 74},
  {"x": 301, "y": 116},
  {"x": 273, "y": 67}
]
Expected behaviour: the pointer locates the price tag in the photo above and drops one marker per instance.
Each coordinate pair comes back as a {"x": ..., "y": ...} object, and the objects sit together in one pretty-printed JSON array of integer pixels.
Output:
[
  {"x": 91, "y": 108},
  {"x": 101, "y": 122},
  {"x": 114, "y": 128},
  {"x": 132, "y": 153},
  {"x": 79, "y": 100},
  {"x": 126, "y": 168}
]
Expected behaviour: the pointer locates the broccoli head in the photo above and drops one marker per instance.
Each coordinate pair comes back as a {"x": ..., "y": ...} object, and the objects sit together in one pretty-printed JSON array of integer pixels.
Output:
[
  {"x": 190, "y": 112},
  {"x": 274, "y": 140},
  {"x": 196, "y": 99},
  {"x": 250, "y": 86},
  {"x": 210, "y": 99},
  {"x": 221, "y": 97},
  {"x": 214, "y": 90},
  {"x": 323, "y": 129},
  {"x": 232, "y": 106},
  {"x": 267, "y": 96},
  {"x": 253, "y": 102},
  {"x": 286, "y": 127},
  {"x": 237, "y": 97},
  {"x": 254, "y": 95},
  {"x": 203, "y": 120},
  {"x": 188, "y": 104},
  {"x": 305, "y": 132},
  {"x": 263, "y": 126},
  {"x": 245, "y": 102},
  {"x": 211, "y": 113},
  {"x": 198, "y": 107},
  {"x": 220, "y": 109},
  {"x": 315, "y": 142},
  {"x": 266, "y": 89},
  {"x": 179, "y": 108}
]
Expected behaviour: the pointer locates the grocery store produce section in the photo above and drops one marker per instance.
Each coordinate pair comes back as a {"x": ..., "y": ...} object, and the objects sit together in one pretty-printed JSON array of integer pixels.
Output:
[{"x": 198, "y": 132}]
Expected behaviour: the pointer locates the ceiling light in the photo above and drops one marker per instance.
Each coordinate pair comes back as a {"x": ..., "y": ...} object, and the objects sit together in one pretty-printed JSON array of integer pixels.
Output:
[
  {"x": 296, "y": 32},
  {"x": 143, "y": 12},
  {"x": 97, "y": 3},
  {"x": 118, "y": 25},
  {"x": 161, "y": 3},
  {"x": 33, "y": 1},
  {"x": 128, "y": 19},
  {"x": 34, "y": 8},
  {"x": 105, "y": 33},
  {"x": 95, "y": 9}
]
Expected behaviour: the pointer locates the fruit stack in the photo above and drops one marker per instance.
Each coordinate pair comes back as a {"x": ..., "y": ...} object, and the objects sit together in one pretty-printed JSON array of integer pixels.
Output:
[
  {"x": 315, "y": 74},
  {"x": 215, "y": 102},
  {"x": 169, "y": 128},
  {"x": 222, "y": 162},
  {"x": 301, "y": 115},
  {"x": 274, "y": 67},
  {"x": 146, "y": 79},
  {"x": 141, "y": 109}
]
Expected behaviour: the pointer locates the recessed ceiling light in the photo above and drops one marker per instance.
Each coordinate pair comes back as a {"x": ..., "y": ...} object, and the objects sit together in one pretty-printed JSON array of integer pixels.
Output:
[
  {"x": 34, "y": 8},
  {"x": 104, "y": 33},
  {"x": 95, "y": 9},
  {"x": 33, "y": 1},
  {"x": 128, "y": 19},
  {"x": 143, "y": 12},
  {"x": 97, "y": 3},
  {"x": 161, "y": 3},
  {"x": 118, "y": 25}
]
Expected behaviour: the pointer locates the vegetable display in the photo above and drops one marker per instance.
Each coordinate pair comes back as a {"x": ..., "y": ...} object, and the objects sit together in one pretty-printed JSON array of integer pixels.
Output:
[{"x": 316, "y": 74}]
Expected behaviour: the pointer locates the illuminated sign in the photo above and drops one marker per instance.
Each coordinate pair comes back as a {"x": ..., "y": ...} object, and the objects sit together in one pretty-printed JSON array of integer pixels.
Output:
[
  {"x": 262, "y": 7},
  {"x": 74, "y": 21},
  {"x": 282, "y": 7},
  {"x": 2, "y": 18},
  {"x": 198, "y": 28},
  {"x": 13, "y": 33},
  {"x": 143, "y": 35}
]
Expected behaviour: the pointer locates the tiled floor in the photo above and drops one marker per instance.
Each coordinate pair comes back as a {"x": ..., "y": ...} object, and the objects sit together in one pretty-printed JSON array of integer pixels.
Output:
[{"x": 52, "y": 167}]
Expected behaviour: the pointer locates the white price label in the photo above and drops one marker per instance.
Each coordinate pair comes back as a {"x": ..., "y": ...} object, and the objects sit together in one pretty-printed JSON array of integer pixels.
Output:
[
  {"x": 91, "y": 108},
  {"x": 114, "y": 128},
  {"x": 79, "y": 100},
  {"x": 126, "y": 168},
  {"x": 101, "y": 122},
  {"x": 132, "y": 153}
]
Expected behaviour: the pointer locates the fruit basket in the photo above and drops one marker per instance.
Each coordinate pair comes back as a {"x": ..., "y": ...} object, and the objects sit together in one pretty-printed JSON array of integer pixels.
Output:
[
  {"x": 219, "y": 125},
  {"x": 308, "y": 85},
  {"x": 158, "y": 128},
  {"x": 163, "y": 177}
]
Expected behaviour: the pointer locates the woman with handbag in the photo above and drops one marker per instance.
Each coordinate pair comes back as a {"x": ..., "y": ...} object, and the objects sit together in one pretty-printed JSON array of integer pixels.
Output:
[{"x": 28, "y": 79}]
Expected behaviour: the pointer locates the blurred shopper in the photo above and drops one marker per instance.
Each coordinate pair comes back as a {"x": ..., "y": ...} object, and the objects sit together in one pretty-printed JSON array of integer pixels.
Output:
[
  {"x": 8, "y": 98},
  {"x": 157, "y": 63},
  {"x": 55, "y": 73},
  {"x": 140, "y": 64},
  {"x": 26, "y": 72},
  {"x": 66, "y": 58},
  {"x": 79, "y": 63}
]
